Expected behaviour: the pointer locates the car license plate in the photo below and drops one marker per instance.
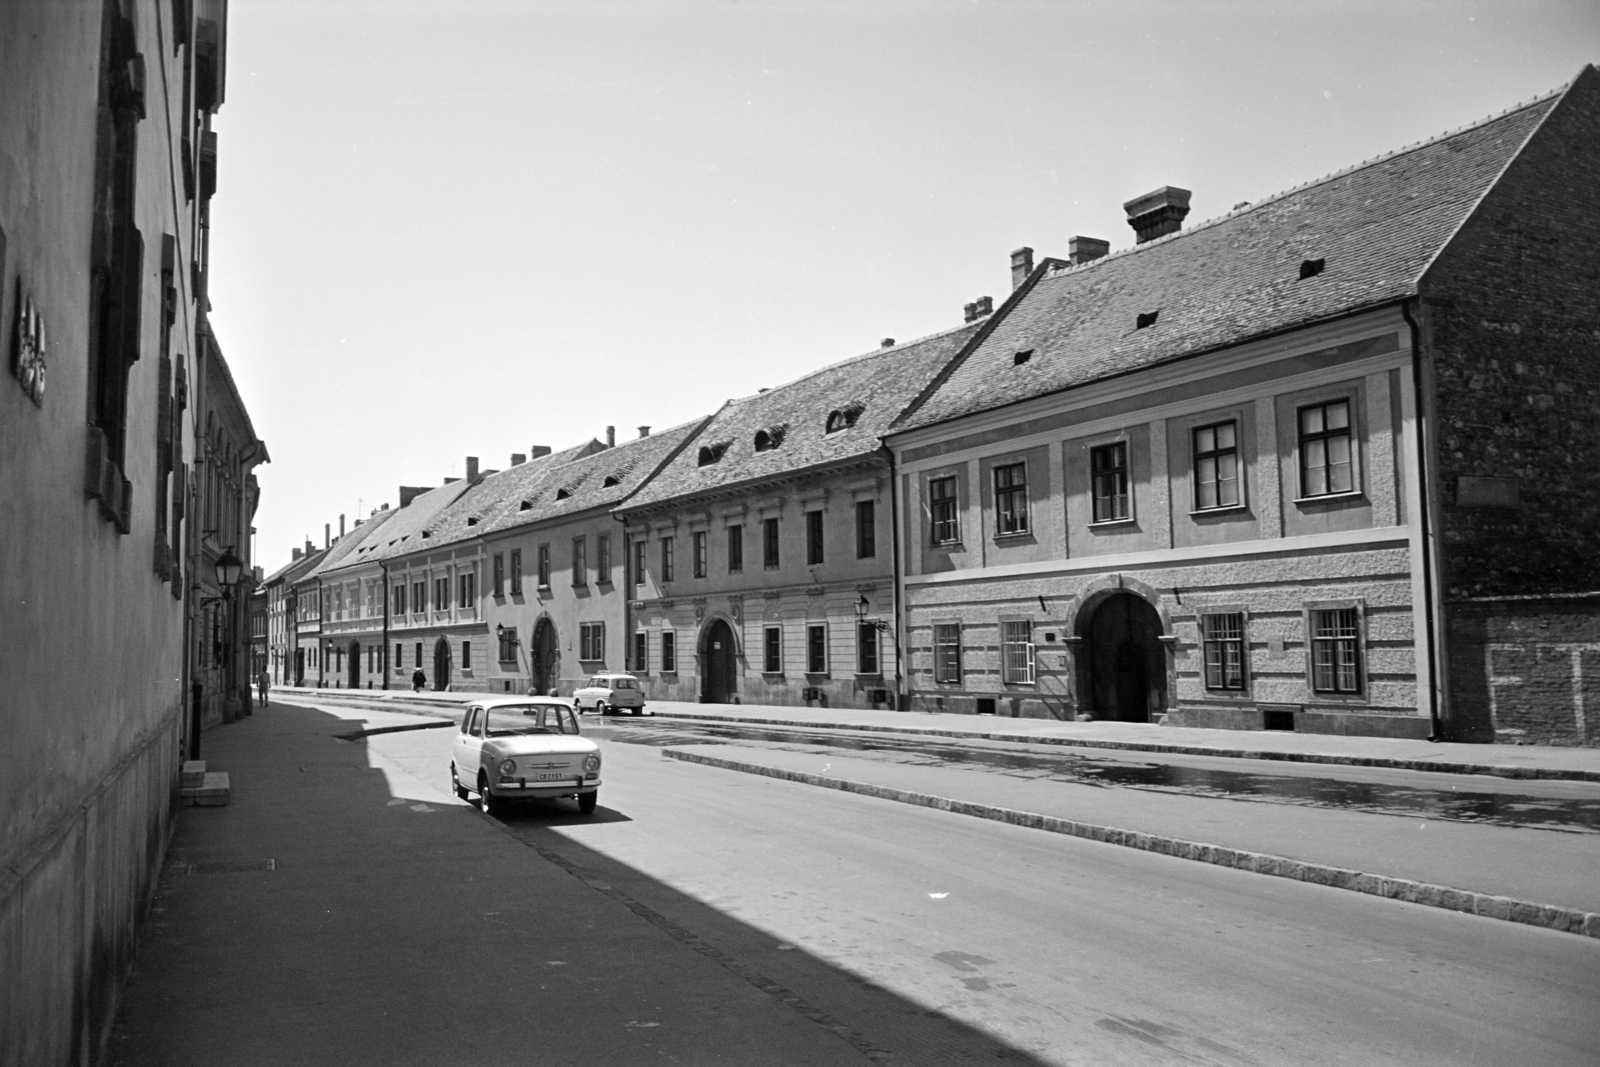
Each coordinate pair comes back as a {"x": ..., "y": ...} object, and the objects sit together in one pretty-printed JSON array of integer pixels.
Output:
[{"x": 551, "y": 777}]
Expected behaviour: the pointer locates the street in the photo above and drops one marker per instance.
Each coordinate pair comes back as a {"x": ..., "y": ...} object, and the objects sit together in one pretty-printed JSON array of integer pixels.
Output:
[{"x": 703, "y": 915}]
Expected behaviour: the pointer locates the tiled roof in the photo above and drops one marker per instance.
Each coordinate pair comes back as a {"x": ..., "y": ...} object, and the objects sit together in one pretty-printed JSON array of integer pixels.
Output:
[
  {"x": 291, "y": 571},
  {"x": 867, "y": 392},
  {"x": 1376, "y": 227},
  {"x": 345, "y": 549}
]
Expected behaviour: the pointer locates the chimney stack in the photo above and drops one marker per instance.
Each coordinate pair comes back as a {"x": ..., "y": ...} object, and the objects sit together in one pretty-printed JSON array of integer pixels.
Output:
[
  {"x": 1021, "y": 266},
  {"x": 472, "y": 467},
  {"x": 535, "y": 451},
  {"x": 408, "y": 493},
  {"x": 294, "y": 554},
  {"x": 518, "y": 459},
  {"x": 644, "y": 431},
  {"x": 1158, "y": 213},
  {"x": 887, "y": 342},
  {"x": 1086, "y": 249},
  {"x": 310, "y": 548},
  {"x": 327, "y": 536},
  {"x": 969, "y": 312},
  {"x": 611, "y": 437},
  {"x": 984, "y": 306},
  {"x": 341, "y": 525}
]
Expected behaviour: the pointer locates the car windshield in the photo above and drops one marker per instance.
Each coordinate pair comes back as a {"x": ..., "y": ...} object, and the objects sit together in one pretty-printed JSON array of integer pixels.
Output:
[
  {"x": 624, "y": 683},
  {"x": 508, "y": 719}
]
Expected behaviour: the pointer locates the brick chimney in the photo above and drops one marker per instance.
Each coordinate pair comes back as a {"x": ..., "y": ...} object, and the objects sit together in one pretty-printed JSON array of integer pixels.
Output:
[
  {"x": 644, "y": 431},
  {"x": 341, "y": 525},
  {"x": 611, "y": 437},
  {"x": 310, "y": 548},
  {"x": 969, "y": 312},
  {"x": 1086, "y": 249},
  {"x": 295, "y": 554},
  {"x": 1021, "y": 266},
  {"x": 1158, "y": 213},
  {"x": 408, "y": 493},
  {"x": 887, "y": 342},
  {"x": 472, "y": 467},
  {"x": 984, "y": 306},
  {"x": 518, "y": 459},
  {"x": 327, "y": 535},
  {"x": 535, "y": 451}
]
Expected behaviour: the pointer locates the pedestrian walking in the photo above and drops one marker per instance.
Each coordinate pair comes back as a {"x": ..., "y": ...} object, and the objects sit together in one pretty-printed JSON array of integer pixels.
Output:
[
  {"x": 264, "y": 683},
  {"x": 418, "y": 680}
]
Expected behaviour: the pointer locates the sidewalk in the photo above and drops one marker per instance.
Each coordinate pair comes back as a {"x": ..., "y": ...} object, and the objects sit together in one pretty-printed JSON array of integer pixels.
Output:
[{"x": 1506, "y": 761}]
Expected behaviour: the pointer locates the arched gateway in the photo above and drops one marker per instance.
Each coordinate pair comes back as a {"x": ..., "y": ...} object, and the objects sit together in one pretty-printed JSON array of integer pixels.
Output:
[
  {"x": 441, "y": 664},
  {"x": 544, "y": 657},
  {"x": 1127, "y": 665},
  {"x": 719, "y": 680}
]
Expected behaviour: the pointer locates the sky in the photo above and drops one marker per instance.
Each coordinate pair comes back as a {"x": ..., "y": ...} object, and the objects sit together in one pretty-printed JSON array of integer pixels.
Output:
[{"x": 466, "y": 227}]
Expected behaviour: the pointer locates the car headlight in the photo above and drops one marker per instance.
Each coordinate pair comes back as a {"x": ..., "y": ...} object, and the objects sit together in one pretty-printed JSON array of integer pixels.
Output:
[
  {"x": 508, "y": 766},
  {"x": 592, "y": 764}
]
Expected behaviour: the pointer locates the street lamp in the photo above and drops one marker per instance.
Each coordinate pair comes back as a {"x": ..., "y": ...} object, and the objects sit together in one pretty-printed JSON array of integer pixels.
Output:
[
  {"x": 229, "y": 569},
  {"x": 862, "y": 603}
]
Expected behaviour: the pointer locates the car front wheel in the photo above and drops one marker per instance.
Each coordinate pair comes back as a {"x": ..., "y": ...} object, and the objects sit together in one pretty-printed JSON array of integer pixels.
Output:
[
  {"x": 600, "y": 708},
  {"x": 587, "y": 802},
  {"x": 487, "y": 800},
  {"x": 455, "y": 780}
]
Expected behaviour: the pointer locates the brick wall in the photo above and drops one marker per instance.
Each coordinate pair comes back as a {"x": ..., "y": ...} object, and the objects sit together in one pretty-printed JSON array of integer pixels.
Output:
[{"x": 1526, "y": 670}]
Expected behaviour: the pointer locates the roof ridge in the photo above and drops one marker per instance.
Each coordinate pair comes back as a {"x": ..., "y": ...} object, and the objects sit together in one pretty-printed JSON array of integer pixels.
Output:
[
  {"x": 876, "y": 353},
  {"x": 1068, "y": 267}
]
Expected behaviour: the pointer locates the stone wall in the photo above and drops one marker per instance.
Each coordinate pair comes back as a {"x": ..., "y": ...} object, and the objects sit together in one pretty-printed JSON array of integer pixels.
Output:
[{"x": 1525, "y": 670}]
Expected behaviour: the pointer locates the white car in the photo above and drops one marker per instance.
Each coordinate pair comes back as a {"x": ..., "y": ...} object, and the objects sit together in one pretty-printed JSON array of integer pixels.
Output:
[
  {"x": 606, "y": 693},
  {"x": 516, "y": 748}
]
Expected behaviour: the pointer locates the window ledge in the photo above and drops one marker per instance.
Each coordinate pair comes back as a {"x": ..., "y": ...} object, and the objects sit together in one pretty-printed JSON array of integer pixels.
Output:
[
  {"x": 1014, "y": 535},
  {"x": 1331, "y": 498},
  {"x": 1112, "y": 522},
  {"x": 1225, "y": 509},
  {"x": 772, "y": 676},
  {"x": 948, "y": 546}
]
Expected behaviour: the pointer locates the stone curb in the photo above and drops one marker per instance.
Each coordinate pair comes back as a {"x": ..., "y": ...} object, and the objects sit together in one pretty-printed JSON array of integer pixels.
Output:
[
  {"x": 1563, "y": 920},
  {"x": 1438, "y": 767}
]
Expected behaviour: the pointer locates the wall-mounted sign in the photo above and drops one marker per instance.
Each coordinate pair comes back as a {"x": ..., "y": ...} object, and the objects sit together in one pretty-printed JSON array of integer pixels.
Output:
[{"x": 28, "y": 347}]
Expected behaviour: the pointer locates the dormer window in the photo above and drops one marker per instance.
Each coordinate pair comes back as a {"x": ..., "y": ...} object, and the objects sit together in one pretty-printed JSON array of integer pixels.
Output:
[
  {"x": 1310, "y": 268},
  {"x": 563, "y": 493},
  {"x": 1019, "y": 358},
  {"x": 611, "y": 479},
  {"x": 771, "y": 437},
  {"x": 527, "y": 505},
  {"x": 472, "y": 520},
  {"x": 709, "y": 454},
  {"x": 843, "y": 418},
  {"x": 1146, "y": 319}
]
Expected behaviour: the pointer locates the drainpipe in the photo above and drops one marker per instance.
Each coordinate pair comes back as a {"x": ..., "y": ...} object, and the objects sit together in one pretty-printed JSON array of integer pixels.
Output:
[
  {"x": 1424, "y": 517},
  {"x": 383, "y": 660},
  {"x": 901, "y": 698}
]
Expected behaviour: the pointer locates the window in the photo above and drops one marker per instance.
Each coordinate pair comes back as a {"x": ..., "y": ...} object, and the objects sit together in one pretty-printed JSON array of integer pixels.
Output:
[
  {"x": 669, "y": 652},
  {"x": 1216, "y": 466},
  {"x": 580, "y": 561},
  {"x": 399, "y": 605},
  {"x": 638, "y": 561},
  {"x": 769, "y": 539},
  {"x": 942, "y": 509},
  {"x": 641, "y": 651},
  {"x": 700, "y": 554},
  {"x": 772, "y": 650},
  {"x": 1325, "y": 460},
  {"x": 1011, "y": 499},
  {"x": 1335, "y": 651},
  {"x": 1016, "y": 652},
  {"x": 817, "y": 649},
  {"x": 602, "y": 558},
  {"x": 508, "y": 644},
  {"x": 419, "y": 596},
  {"x": 499, "y": 574},
  {"x": 866, "y": 529},
  {"x": 466, "y": 655},
  {"x": 813, "y": 538},
  {"x": 419, "y": 653},
  {"x": 544, "y": 566},
  {"x": 666, "y": 559},
  {"x": 1223, "y": 638},
  {"x": 735, "y": 549},
  {"x": 441, "y": 594},
  {"x": 591, "y": 640},
  {"x": 947, "y": 652},
  {"x": 866, "y": 648},
  {"x": 516, "y": 572},
  {"x": 399, "y": 656},
  {"x": 469, "y": 590},
  {"x": 1108, "y": 467}
]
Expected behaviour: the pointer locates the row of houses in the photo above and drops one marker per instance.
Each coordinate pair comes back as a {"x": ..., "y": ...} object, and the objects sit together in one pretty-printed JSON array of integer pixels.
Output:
[
  {"x": 129, "y": 486},
  {"x": 1326, "y": 463}
]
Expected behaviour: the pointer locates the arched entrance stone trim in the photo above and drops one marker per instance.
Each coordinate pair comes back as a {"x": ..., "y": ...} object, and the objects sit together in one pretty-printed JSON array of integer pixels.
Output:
[
  {"x": 719, "y": 672},
  {"x": 1102, "y": 589},
  {"x": 544, "y": 654},
  {"x": 705, "y": 628},
  {"x": 443, "y": 664},
  {"x": 1080, "y": 622}
]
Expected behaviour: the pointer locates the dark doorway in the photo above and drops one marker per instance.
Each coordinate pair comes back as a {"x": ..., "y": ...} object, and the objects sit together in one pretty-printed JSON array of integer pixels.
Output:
[
  {"x": 355, "y": 665},
  {"x": 544, "y": 657},
  {"x": 720, "y": 681},
  {"x": 1127, "y": 665},
  {"x": 441, "y": 664},
  {"x": 299, "y": 666}
]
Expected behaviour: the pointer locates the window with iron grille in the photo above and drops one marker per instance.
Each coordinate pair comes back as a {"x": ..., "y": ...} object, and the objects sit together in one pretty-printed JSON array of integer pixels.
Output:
[
  {"x": 591, "y": 640},
  {"x": 813, "y": 538},
  {"x": 1335, "y": 651},
  {"x": 1016, "y": 652},
  {"x": 1108, "y": 466},
  {"x": 499, "y": 574},
  {"x": 508, "y": 644},
  {"x": 1216, "y": 466},
  {"x": 516, "y": 572},
  {"x": 947, "y": 652},
  {"x": 769, "y": 539},
  {"x": 602, "y": 558},
  {"x": 817, "y": 649},
  {"x": 942, "y": 509},
  {"x": 441, "y": 594},
  {"x": 866, "y": 648},
  {"x": 700, "y": 554},
  {"x": 669, "y": 651},
  {"x": 772, "y": 650},
  {"x": 580, "y": 561},
  {"x": 666, "y": 559},
  {"x": 544, "y": 566},
  {"x": 641, "y": 651},
  {"x": 1222, "y": 636},
  {"x": 735, "y": 549},
  {"x": 1011, "y": 499},
  {"x": 866, "y": 529},
  {"x": 1326, "y": 465}
]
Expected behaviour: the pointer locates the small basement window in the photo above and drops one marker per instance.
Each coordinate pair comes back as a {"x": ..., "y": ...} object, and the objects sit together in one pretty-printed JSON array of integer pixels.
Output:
[
  {"x": 1019, "y": 358},
  {"x": 1147, "y": 318},
  {"x": 1310, "y": 268}
]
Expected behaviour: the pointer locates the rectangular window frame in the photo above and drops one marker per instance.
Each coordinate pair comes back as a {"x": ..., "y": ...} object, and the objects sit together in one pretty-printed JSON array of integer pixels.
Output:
[
  {"x": 1310, "y": 444},
  {"x": 516, "y": 572},
  {"x": 641, "y": 651},
  {"x": 866, "y": 529},
  {"x": 1010, "y": 499},
  {"x": 1224, "y": 650},
  {"x": 947, "y": 652},
  {"x": 1110, "y": 483},
  {"x": 944, "y": 510},
  {"x": 869, "y": 650},
  {"x": 736, "y": 548},
  {"x": 771, "y": 554},
  {"x": 772, "y": 649},
  {"x": 669, "y": 652},
  {"x": 815, "y": 552},
  {"x": 602, "y": 559},
  {"x": 507, "y": 636},
  {"x": 1018, "y": 655},
  {"x": 544, "y": 566},
  {"x": 1208, "y": 459},
  {"x": 666, "y": 559},
  {"x": 441, "y": 593},
  {"x": 1336, "y": 649},
  {"x": 640, "y": 547},
  {"x": 592, "y": 642},
  {"x": 499, "y": 574},
  {"x": 468, "y": 583},
  {"x": 817, "y": 648},
  {"x": 698, "y": 541},
  {"x": 580, "y": 561}
]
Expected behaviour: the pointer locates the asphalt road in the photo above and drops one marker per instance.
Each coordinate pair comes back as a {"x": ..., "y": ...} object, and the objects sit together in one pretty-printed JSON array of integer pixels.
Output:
[{"x": 862, "y": 915}]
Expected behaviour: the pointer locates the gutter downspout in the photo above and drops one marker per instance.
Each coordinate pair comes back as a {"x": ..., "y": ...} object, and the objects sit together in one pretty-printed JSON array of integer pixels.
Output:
[
  {"x": 1424, "y": 516},
  {"x": 383, "y": 660},
  {"x": 901, "y": 699}
]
